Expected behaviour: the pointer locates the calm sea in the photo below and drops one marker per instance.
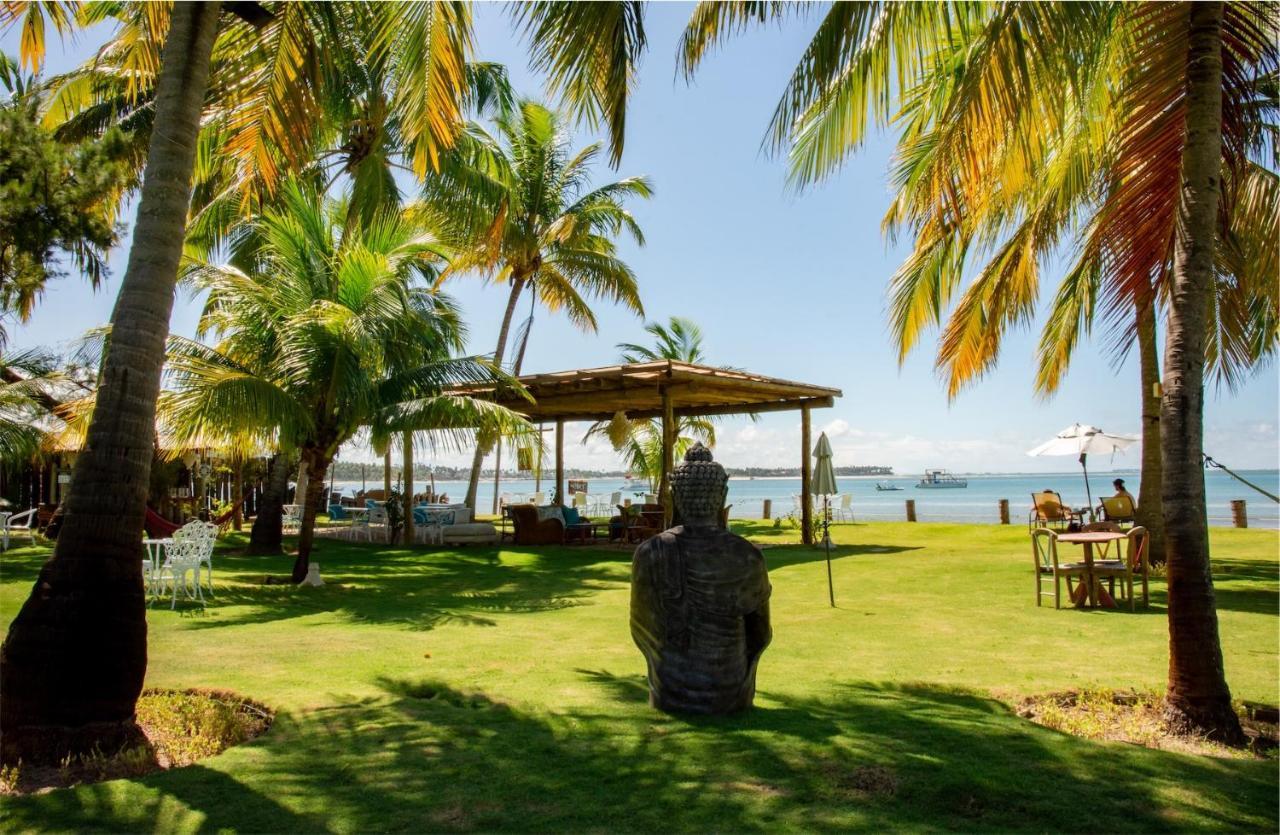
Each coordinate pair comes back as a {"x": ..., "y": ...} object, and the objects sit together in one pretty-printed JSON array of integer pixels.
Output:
[{"x": 979, "y": 502}]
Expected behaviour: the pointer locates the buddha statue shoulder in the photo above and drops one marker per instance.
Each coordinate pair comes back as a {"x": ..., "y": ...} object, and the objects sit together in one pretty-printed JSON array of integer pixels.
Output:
[{"x": 700, "y": 600}]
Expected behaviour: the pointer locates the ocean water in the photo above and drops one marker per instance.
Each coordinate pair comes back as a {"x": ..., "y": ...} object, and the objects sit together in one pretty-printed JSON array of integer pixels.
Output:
[{"x": 979, "y": 502}]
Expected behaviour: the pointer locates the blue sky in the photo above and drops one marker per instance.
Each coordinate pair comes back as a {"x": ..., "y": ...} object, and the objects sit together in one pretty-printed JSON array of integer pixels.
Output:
[{"x": 782, "y": 284}]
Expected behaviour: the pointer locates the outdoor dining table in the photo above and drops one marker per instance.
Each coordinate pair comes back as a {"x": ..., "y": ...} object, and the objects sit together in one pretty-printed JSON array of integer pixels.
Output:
[
  {"x": 1088, "y": 539},
  {"x": 156, "y": 557}
]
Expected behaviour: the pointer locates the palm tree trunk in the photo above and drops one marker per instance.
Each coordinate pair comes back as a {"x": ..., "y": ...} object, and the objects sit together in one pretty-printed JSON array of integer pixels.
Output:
[
  {"x": 73, "y": 663},
  {"x": 407, "y": 446},
  {"x": 318, "y": 468},
  {"x": 304, "y": 479},
  {"x": 267, "y": 536},
  {"x": 1198, "y": 699},
  {"x": 1150, "y": 501},
  {"x": 518, "y": 284},
  {"x": 237, "y": 494}
]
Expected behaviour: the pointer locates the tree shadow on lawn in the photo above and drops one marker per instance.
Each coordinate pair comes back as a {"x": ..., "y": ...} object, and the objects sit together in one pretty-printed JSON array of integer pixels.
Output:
[
  {"x": 430, "y": 756},
  {"x": 414, "y": 588}
]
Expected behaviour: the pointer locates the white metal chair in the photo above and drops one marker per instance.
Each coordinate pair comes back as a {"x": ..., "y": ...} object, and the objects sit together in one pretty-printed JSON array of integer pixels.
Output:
[
  {"x": 377, "y": 516},
  {"x": 182, "y": 559},
  {"x": 201, "y": 536},
  {"x": 292, "y": 517},
  {"x": 844, "y": 513},
  {"x": 580, "y": 502},
  {"x": 538, "y": 498},
  {"x": 24, "y": 522}
]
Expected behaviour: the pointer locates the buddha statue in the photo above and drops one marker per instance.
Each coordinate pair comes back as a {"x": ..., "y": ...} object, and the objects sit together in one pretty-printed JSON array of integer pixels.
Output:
[{"x": 700, "y": 600}]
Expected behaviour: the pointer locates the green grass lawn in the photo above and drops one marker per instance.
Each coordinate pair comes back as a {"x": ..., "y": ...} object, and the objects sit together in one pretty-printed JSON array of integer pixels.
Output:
[{"x": 479, "y": 688}]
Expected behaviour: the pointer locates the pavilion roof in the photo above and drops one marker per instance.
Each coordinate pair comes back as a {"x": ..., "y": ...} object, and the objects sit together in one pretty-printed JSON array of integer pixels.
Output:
[{"x": 638, "y": 389}]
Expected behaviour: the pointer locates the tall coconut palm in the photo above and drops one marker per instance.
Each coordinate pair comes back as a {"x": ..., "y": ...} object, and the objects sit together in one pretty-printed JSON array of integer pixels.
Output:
[
  {"x": 1021, "y": 122},
  {"x": 640, "y": 441},
  {"x": 85, "y": 618},
  {"x": 331, "y": 327},
  {"x": 521, "y": 201}
]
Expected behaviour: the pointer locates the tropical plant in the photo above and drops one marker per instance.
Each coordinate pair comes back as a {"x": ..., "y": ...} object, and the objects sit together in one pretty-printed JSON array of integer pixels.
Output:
[
  {"x": 330, "y": 325},
  {"x": 1022, "y": 122},
  {"x": 522, "y": 206},
  {"x": 55, "y": 198},
  {"x": 87, "y": 620},
  {"x": 640, "y": 440},
  {"x": 29, "y": 403}
]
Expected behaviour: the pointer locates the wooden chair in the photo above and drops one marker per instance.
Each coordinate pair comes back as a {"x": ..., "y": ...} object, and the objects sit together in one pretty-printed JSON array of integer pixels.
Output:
[
  {"x": 1049, "y": 511},
  {"x": 1132, "y": 563},
  {"x": 1044, "y": 551}
]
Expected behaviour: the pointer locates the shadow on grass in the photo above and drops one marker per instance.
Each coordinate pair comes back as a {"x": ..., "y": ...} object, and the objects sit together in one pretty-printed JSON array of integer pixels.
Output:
[
  {"x": 432, "y": 757},
  {"x": 418, "y": 589}
]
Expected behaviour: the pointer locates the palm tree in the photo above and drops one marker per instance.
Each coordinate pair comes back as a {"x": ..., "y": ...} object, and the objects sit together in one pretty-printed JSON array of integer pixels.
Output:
[
  {"x": 640, "y": 441},
  {"x": 523, "y": 205},
  {"x": 1019, "y": 123},
  {"x": 85, "y": 620},
  {"x": 59, "y": 639},
  {"x": 327, "y": 329}
]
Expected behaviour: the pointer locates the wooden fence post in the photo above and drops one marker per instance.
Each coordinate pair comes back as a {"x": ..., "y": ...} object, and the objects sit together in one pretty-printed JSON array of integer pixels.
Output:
[
  {"x": 1004, "y": 511},
  {"x": 1239, "y": 516},
  {"x": 768, "y": 508},
  {"x": 911, "y": 510}
]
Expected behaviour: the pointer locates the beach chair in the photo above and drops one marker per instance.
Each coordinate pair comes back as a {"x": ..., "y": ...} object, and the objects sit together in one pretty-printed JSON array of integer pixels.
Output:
[
  {"x": 844, "y": 512},
  {"x": 1044, "y": 551},
  {"x": 24, "y": 522},
  {"x": 1049, "y": 511},
  {"x": 1132, "y": 563},
  {"x": 1118, "y": 509}
]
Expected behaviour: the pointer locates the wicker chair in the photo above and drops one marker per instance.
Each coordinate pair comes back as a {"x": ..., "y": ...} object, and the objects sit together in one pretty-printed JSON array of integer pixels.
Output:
[{"x": 532, "y": 530}]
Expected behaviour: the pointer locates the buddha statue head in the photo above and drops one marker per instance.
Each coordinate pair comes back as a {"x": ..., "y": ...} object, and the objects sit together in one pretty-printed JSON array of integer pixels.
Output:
[{"x": 699, "y": 486}]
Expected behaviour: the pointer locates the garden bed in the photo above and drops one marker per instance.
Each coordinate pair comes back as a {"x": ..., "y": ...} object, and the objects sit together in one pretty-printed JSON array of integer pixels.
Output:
[
  {"x": 1136, "y": 718},
  {"x": 181, "y": 727}
]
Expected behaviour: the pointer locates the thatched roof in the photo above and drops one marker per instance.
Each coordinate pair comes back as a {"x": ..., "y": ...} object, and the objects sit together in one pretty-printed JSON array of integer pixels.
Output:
[{"x": 638, "y": 388}]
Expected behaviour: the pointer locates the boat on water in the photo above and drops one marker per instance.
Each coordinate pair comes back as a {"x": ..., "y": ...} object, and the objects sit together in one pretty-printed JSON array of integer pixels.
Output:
[
  {"x": 936, "y": 479},
  {"x": 886, "y": 485}
]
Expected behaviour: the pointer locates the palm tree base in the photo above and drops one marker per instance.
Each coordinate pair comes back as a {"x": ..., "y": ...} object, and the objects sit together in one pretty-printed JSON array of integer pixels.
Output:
[
  {"x": 50, "y": 745},
  {"x": 1216, "y": 720}
]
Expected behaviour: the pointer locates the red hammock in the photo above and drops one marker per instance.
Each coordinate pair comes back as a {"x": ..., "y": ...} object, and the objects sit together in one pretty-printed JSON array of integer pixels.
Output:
[{"x": 159, "y": 527}]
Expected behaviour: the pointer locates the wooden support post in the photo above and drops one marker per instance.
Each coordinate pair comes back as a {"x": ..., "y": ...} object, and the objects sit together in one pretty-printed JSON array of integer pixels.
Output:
[
  {"x": 1004, "y": 511},
  {"x": 559, "y": 494},
  {"x": 1239, "y": 515},
  {"x": 911, "y": 510},
  {"x": 668, "y": 449},
  {"x": 768, "y": 509},
  {"x": 407, "y": 444},
  {"x": 237, "y": 493},
  {"x": 806, "y": 475},
  {"x": 386, "y": 473}
]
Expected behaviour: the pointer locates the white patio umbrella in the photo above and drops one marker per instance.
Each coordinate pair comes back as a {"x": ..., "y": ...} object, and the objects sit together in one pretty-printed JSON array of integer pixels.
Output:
[
  {"x": 823, "y": 483},
  {"x": 1082, "y": 440}
]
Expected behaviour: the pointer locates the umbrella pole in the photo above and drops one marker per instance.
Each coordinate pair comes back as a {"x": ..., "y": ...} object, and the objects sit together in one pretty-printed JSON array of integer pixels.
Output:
[
  {"x": 1088, "y": 493},
  {"x": 826, "y": 539}
]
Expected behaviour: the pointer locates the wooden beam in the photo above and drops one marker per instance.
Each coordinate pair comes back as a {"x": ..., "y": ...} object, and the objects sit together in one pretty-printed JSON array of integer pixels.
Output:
[
  {"x": 689, "y": 411},
  {"x": 668, "y": 447},
  {"x": 806, "y": 472},
  {"x": 408, "y": 488},
  {"x": 559, "y": 494}
]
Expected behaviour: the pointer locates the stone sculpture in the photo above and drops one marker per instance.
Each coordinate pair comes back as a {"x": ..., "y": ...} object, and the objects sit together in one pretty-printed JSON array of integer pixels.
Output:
[{"x": 700, "y": 600}]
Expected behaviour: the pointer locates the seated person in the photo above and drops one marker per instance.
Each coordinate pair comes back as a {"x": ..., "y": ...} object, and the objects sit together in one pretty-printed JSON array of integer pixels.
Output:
[
  {"x": 1123, "y": 493},
  {"x": 1122, "y": 507}
]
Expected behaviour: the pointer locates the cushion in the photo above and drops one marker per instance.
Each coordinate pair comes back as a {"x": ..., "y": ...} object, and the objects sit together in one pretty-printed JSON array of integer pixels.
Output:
[
  {"x": 550, "y": 511},
  {"x": 571, "y": 516}
]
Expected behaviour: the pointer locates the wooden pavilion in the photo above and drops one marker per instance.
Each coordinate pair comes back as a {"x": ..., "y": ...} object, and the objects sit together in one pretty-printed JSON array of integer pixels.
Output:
[{"x": 664, "y": 389}]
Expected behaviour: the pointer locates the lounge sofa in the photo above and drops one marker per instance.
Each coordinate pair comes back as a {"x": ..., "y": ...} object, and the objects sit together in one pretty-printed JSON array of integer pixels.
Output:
[
  {"x": 463, "y": 530},
  {"x": 537, "y": 525}
]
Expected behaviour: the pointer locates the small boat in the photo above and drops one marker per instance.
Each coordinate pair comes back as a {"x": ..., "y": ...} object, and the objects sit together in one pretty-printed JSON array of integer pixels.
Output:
[
  {"x": 935, "y": 479},
  {"x": 886, "y": 485}
]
